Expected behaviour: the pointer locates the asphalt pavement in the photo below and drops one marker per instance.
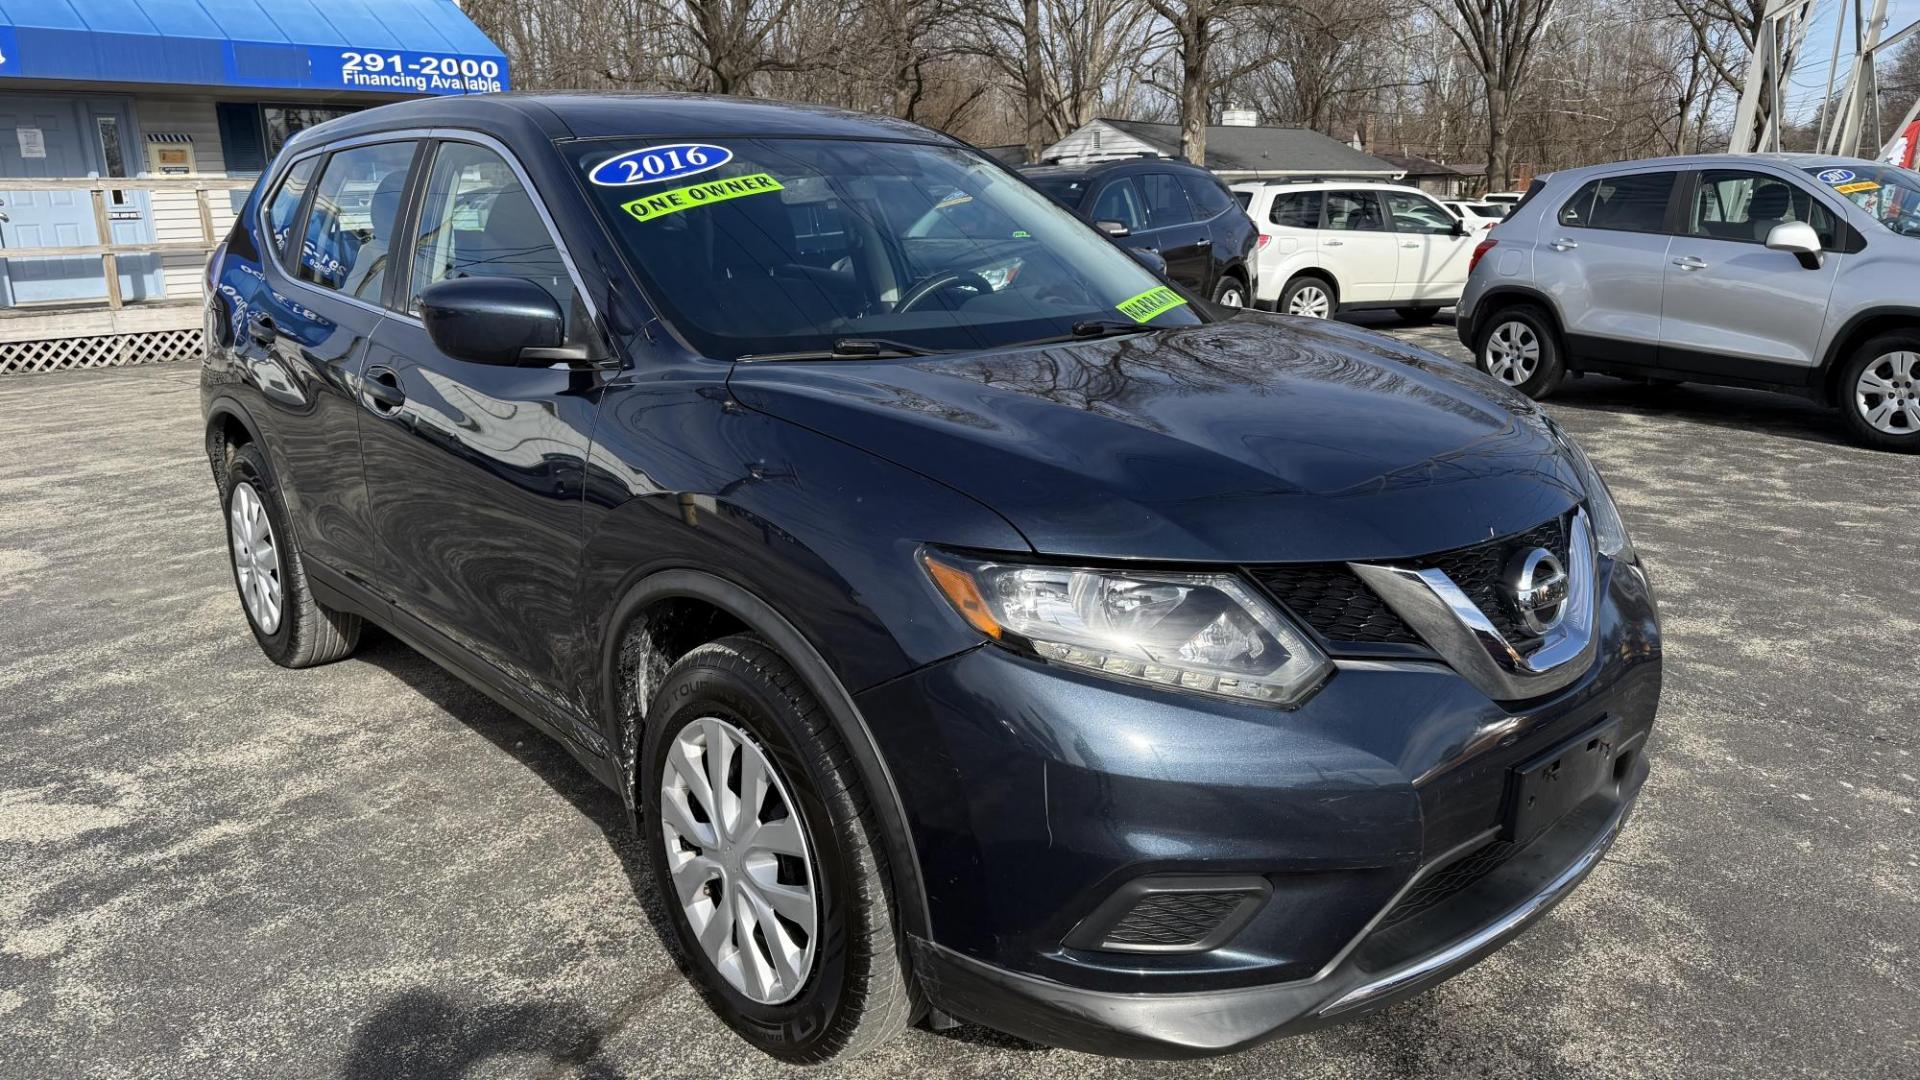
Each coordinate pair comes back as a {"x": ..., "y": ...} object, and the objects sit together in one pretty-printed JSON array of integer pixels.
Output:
[{"x": 211, "y": 867}]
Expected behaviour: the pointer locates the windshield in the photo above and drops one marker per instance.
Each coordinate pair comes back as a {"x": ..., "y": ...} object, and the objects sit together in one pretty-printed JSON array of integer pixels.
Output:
[
  {"x": 1888, "y": 193},
  {"x": 754, "y": 247}
]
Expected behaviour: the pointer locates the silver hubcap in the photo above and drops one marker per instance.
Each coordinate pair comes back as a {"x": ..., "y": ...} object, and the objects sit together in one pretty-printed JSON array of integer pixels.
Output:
[
  {"x": 739, "y": 860},
  {"x": 1311, "y": 301},
  {"x": 1230, "y": 297},
  {"x": 1888, "y": 393},
  {"x": 256, "y": 558},
  {"x": 1513, "y": 353}
]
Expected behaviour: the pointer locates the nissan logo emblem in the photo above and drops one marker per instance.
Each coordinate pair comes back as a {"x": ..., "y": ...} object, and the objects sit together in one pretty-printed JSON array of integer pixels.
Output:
[{"x": 1537, "y": 585}]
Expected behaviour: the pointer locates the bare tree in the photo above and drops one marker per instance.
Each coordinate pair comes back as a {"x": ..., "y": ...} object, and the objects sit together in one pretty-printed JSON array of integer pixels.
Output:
[
  {"x": 1499, "y": 38},
  {"x": 1195, "y": 27}
]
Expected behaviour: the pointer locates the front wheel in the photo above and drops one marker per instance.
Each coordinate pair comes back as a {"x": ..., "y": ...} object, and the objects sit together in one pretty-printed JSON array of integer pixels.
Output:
[
  {"x": 1880, "y": 392},
  {"x": 1309, "y": 297},
  {"x": 1518, "y": 346},
  {"x": 765, "y": 852}
]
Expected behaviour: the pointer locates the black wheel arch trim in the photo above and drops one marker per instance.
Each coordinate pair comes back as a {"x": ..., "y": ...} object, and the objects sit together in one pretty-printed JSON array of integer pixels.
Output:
[
  {"x": 1506, "y": 295},
  {"x": 761, "y": 618},
  {"x": 225, "y": 408},
  {"x": 1837, "y": 352}
]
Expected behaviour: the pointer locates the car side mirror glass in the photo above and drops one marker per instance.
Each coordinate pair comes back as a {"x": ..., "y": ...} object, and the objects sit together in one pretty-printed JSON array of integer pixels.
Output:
[
  {"x": 1115, "y": 229},
  {"x": 1798, "y": 239},
  {"x": 1150, "y": 259},
  {"x": 505, "y": 321}
]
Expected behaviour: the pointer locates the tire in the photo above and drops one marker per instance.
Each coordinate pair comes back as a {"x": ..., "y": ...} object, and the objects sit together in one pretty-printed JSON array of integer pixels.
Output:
[
  {"x": 1417, "y": 316},
  {"x": 1520, "y": 347},
  {"x": 1230, "y": 292},
  {"x": 294, "y": 629},
  {"x": 854, "y": 993},
  {"x": 1879, "y": 392},
  {"x": 1309, "y": 296}
]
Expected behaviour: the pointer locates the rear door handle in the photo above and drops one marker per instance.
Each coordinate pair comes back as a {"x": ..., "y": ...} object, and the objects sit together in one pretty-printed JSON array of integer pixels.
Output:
[
  {"x": 1334, "y": 243},
  {"x": 382, "y": 388},
  {"x": 1691, "y": 262},
  {"x": 261, "y": 330},
  {"x": 1563, "y": 244},
  {"x": 1410, "y": 243}
]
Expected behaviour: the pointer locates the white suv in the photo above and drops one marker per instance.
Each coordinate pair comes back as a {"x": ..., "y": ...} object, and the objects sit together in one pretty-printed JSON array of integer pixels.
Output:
[{"x": 1332, "y": 246}]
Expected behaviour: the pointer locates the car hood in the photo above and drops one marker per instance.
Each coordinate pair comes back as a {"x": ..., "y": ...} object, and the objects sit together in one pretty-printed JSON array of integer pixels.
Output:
[{"x": 1257, "y": 439}]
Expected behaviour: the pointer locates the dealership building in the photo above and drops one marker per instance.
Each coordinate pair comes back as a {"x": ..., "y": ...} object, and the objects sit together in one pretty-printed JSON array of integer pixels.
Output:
[{"x": 185, "y": 101}]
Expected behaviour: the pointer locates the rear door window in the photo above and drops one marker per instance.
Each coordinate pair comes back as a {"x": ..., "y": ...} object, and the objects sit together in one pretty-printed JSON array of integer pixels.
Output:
[
  {"x": 1297, "y": 209},
  {"x": 1166, "y": 200},
  {"x": 1355, "y": 211},
  {"x": 356, "y": 208},
  {"x": 1636, "y": 203}
]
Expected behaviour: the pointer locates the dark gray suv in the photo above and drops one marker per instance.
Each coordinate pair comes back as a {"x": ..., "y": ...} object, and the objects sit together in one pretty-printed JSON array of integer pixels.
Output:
[{"x": 1779, "y": 271}]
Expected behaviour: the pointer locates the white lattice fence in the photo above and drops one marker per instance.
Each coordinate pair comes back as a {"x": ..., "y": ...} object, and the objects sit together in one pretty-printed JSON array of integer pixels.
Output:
[{"x": 111, "y": 350}]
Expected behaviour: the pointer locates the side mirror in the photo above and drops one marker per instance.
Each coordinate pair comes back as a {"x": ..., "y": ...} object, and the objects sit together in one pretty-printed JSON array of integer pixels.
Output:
[
  {"x": 1460, "y": 227},
  {"x": 1798, "y": 239},
  {"x": 1115, "y": 229},
  {"x": 1150, "y": 259},
  {"x": 510, "y": 322}
]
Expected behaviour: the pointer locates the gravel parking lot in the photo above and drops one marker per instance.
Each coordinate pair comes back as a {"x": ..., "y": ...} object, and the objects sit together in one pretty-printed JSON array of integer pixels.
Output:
[{"x": 211, "y": 867}]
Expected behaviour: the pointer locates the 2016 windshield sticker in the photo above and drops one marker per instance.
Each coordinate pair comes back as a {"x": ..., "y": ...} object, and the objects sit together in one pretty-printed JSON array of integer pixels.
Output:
[
  {"x": 1857, "y": 188},
  {"x": 1155, "y": 301},
  {"x": 657, "y": 163},
  {"x": 1837, "y": 177},
  {"x": 662, "y": 203}
]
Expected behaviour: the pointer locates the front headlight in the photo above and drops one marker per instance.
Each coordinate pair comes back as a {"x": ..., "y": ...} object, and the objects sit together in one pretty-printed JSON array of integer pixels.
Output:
[
  {"x": 1609, "y": 532},
  {"x": 1208, "y": 633}
]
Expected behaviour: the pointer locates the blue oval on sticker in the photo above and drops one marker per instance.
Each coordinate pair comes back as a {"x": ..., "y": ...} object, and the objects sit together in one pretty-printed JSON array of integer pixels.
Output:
[
  {"x": 659, "y": 163},
  {"x": 1838, "y": 176}
]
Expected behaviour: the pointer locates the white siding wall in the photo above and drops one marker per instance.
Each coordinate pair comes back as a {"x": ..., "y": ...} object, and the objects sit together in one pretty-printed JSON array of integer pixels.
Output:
[
  {"x": 1097, "y": 141},
  {"x": 176, "y": 215}
]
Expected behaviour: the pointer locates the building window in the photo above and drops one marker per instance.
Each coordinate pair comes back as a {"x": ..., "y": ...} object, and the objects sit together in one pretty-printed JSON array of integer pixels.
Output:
[{"x": 284, "y": 121}]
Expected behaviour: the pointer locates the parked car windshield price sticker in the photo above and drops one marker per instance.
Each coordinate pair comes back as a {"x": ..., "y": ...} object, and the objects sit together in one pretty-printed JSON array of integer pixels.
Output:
[
  {"x": 1155, "y": 301},
  {"x": 657, "y": 163},
  {"x": 674, "y": 200}
]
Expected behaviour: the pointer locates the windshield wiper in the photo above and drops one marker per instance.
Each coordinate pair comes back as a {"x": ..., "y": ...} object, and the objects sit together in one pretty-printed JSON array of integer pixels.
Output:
[
  {"x": 1089, "y": 330},
  {"x": 850, "y": 349}
]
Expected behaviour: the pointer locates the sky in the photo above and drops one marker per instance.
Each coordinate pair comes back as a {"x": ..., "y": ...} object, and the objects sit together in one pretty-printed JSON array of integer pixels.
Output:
[{"x": 1810, "y": 75}]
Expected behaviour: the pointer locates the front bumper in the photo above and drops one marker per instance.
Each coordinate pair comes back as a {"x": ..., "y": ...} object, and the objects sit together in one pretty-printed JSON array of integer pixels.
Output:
[
  {"x": 1035, "y": 794},
  {"x": 1382, "y": 967}
]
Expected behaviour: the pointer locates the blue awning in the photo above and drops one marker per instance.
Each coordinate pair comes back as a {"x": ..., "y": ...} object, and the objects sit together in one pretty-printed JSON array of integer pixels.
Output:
[{"x": 384, "y": 46}]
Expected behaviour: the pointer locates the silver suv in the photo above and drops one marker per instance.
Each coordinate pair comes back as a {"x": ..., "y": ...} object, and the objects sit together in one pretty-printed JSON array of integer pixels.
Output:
[{"x": 1785, "y": 272}]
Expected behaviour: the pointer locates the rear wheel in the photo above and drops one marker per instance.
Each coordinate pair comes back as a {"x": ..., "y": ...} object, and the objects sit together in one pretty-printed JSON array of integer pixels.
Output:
[
  {"x": 1309, "y": 297},
  {"x": 1880, "y": 392},
  {"x": 768, "y": 860},
  {"x": 293, "y": 628},
  {"x": 1229, "y": 292},
  {"x": 1519, "y": 347}
]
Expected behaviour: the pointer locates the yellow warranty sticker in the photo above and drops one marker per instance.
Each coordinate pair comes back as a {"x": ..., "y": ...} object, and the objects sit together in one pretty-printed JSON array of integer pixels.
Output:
[
  {"x": 1155, "y": 301},
  {"x": 1855, "y": 189},
  {"x": 662, "y": 203}
]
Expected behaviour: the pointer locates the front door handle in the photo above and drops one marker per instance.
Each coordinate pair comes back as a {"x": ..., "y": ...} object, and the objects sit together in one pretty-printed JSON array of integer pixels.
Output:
[
  {"x": 1204, "y": 244},
  {"x": 1563, "y": 244},
  {"x": 382, "y": 389},
  {"x": 261, "y": 331},
  {"x": 1691, "y": 262},
  {"x": 1334, "y": 243}
]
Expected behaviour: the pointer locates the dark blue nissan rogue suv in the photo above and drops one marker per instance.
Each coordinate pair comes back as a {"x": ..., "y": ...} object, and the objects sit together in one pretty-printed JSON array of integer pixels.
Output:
[{"x": 975, "y": 626}]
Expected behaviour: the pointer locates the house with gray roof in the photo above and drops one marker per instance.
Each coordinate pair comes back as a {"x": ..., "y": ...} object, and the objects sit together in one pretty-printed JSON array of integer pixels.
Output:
[{"x": 1235, "y": 152}]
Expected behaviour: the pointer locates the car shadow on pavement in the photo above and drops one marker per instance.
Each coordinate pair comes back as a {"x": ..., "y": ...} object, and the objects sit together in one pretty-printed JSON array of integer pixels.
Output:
[
  {"x": 422, "y": 1033},
  {"x": 1714, "y": 406}
]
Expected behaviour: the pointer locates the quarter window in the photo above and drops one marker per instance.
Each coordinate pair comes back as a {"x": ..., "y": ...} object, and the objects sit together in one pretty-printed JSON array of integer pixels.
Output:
[
  {"x": 476, "y": 220},
  {"x": 1635, "y": 203},
  {"x": 1746, "y": 206},
  {"x": 1354, "y": 211},
  {"x": 1297, "y": 209},
  {"x": 1208, "y": 197},
  {"x": 286, "y": 202},
  {"x": 1166, "y": 202},
  {"x": 356, "y": 208}
]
